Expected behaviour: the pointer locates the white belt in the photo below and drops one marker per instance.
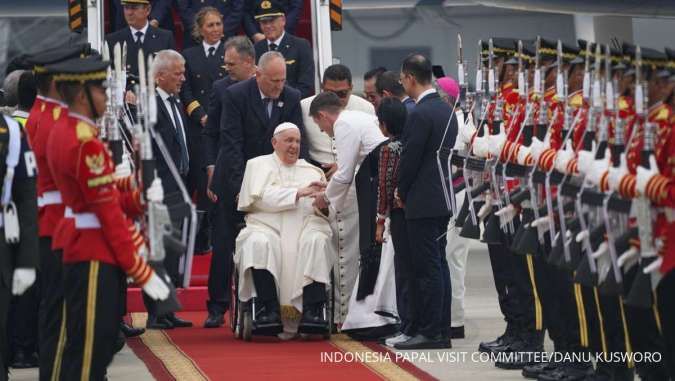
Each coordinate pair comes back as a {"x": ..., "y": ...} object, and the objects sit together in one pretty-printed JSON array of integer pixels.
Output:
[
  {"x": 669, "y": 212},
  {"x": 50, "y": 198},
  {"x": 83, "y": 220},
  {"x": 2, "y": 220}
]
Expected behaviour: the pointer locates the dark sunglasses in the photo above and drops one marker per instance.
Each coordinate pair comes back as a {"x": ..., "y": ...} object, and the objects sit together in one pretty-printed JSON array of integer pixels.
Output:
[{"x": 341, "y": 93}]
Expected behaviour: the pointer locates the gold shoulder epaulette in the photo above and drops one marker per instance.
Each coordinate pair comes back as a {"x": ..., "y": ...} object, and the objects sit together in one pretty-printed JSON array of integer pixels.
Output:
[
  {"x": 84, "y": 131},
  {"x": 56, "y": 112}
]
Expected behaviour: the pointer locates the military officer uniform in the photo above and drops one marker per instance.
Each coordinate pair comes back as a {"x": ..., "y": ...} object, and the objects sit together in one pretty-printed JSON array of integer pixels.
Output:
[{"x": 297, "y": 51}]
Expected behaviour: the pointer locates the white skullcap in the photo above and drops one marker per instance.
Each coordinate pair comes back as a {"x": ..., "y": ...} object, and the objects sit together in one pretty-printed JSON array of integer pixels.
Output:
[{"x": 285, "y": 126}]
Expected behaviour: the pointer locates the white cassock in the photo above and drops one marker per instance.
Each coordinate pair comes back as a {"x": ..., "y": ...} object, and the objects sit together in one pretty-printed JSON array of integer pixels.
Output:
[
  {"x": 345, "y": 222},
  {"x": 286, "y": 237}
]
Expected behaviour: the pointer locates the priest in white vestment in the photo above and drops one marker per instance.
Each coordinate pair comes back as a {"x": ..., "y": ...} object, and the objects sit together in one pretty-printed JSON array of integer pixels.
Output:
[
  {"x": 282, "y": 254},
  {"x": 322, "y": 151}
]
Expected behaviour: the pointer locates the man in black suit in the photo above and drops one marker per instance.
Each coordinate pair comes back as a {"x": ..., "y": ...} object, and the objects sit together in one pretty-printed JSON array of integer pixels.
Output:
[
  {"x": 169, "y": 73},
  {"x": 421, "y": 190},
  {"x": 293, "y": 10},
  {"x": 231, "y": 10},
  {"x": 297, "y": 52},
  {"x": 240, "y": 64},
  {"x": 139, "y": 34}
]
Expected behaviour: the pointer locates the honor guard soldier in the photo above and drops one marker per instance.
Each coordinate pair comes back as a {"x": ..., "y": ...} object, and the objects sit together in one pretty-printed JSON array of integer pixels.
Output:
[
  {"x": 18, "y": 223},
  {"x": 104, "y": 246},
  {"x": 48, "y": 111}
]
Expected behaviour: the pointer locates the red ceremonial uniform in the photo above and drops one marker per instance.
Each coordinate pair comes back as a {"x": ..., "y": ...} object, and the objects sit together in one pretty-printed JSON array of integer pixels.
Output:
[
  {"x": 49, "y": 199},
  {"x": 84, "y": 170},
  {"x": 34, "y": 115}
]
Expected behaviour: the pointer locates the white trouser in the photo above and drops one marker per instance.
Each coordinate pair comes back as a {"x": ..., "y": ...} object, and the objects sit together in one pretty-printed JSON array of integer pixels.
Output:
[{"x": 456, "y": 251}]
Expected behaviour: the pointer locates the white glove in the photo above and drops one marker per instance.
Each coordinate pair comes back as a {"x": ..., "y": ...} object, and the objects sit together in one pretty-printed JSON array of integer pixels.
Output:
[
  {"x": 506, "y": 214},
  {"x": 486, "y": 208},
  {"x": 582, "y": 235},
  {"x": 496, "y": 143},
  {"x": 585, "y": 161},
  {"x": 654, "y": 266},
  {"x": 480, "y": 146},
  {"x": 156, "y": 192},
  {"x": 643, "y": 175},
  {"x": 563, "y": 157},
  {"x": 597, "y": 170},
  {"x": 466, "y": 131},
  {"x": 22, "y": 280},
  {"x": 602, "y": 250},
  {"x": 155, "y": 288},
  {"x": 123, "y": 169},
  {"x": 523, "y": 152},
  {"x": 537, "y": 147},
  {"x": 616, "y": 174},
  {"x": 628, "y": 258},
  {"x": 541, "y": 223}
]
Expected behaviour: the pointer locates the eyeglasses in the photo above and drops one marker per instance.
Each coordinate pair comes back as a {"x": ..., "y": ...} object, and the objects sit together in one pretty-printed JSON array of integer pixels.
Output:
[{"x": 341, "y": 93}]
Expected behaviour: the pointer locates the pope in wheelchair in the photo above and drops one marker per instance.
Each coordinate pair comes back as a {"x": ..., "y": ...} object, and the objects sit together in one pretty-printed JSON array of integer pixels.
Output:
[{"x": 281, "y": 256}]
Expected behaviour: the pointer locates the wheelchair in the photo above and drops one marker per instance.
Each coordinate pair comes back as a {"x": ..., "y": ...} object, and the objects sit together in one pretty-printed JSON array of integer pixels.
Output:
[{"x": 243, "y": 322}]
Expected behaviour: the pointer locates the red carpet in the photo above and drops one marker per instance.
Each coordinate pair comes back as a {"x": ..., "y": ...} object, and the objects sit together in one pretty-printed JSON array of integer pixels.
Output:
[{"x": 214, "y": 354}]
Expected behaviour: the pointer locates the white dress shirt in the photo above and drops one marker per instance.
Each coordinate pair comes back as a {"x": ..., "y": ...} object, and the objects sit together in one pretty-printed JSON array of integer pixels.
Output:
[
  {"x": 424, "y": 94},
  {"x": 277, "y": 42},
  {"x": 321, "y": 146},
  {"x": 143, "y": 30},
  {"x": 356, "y": 134},
  {"x": 165, "y": 98},
  {"x": 207, "y": 46}
]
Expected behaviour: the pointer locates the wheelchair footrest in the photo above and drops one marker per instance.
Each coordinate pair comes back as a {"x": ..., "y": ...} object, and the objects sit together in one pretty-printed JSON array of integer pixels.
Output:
[
  {"x": 313, "y": 329},
  {"x": 267, "y": 329}
]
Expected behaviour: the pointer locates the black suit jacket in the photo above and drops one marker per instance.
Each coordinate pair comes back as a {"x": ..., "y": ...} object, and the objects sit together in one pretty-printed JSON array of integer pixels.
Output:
[
  {"x": 200, "y": 73},
  {"x": 211, "y": 132},
  {"x": 170, "y": 136},
  {"x": 419, "y": 183},
  {"x": 299, "y": 62},
  {"x": 293, "y": 10},
  {"x": 232, "y": 11},
  {"x": 154, "y": 40},
  {"x": 246, "y": 131}
]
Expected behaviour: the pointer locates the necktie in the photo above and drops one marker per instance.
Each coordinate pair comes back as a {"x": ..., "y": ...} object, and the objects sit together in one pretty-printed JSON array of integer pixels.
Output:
[
  {"x": 212, "y": 51},
  {"x": 183, "y": 165},
  {"x": 139, "y": 37},
  {"x": 267, "y": 102},
  {"x": 273, "y": 47}
]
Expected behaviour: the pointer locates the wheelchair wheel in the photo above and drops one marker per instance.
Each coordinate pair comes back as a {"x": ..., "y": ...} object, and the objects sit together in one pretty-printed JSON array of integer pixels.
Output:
[
  {"x": 330, "y": 309},
  {"x": 246, "y": 324}
]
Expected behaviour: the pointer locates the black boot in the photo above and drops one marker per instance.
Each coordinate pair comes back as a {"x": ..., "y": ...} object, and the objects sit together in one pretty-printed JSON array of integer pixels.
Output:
[
  {"x": 533, "y": 371},
  {"x": 568, "y": 372},
  {"x": 267, "y": 313},
  {"x": 505, "y": 339},
  {"x": 522, "y": 352},
  {"x": 130, "y": 331}
]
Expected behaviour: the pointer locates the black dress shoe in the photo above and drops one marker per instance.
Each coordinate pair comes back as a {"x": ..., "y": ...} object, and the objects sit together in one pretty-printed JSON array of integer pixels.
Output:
[
  {"x": 457, "y": 332},
  {"x": 178, "y": 322},
  {"x": 24, "y": 360},
  {"x": 423, "y": 342},
  {"x": 312, "y": 320},
  {"x": 158, "y": 323},
  {"x": 130, "y": 331},
  {"x": 267, "y": 315},
  {"x": 119, "y": 342},
  {"x": 568, "y": 372},
  {"x": 214, "y": 321}
]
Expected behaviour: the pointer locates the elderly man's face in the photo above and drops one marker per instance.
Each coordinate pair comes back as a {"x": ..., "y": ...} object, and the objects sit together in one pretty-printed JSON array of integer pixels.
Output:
[
  {"x": 238, "y": 67},
  {"x": 273, "y": 27},
  {"x": 136, "y": 15},
  {"x": 287, "y": 146},
  {"x": 171, "y": 80},
  {"x": 271, "y": 79},
  {"x": 371, "y": 92}
]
